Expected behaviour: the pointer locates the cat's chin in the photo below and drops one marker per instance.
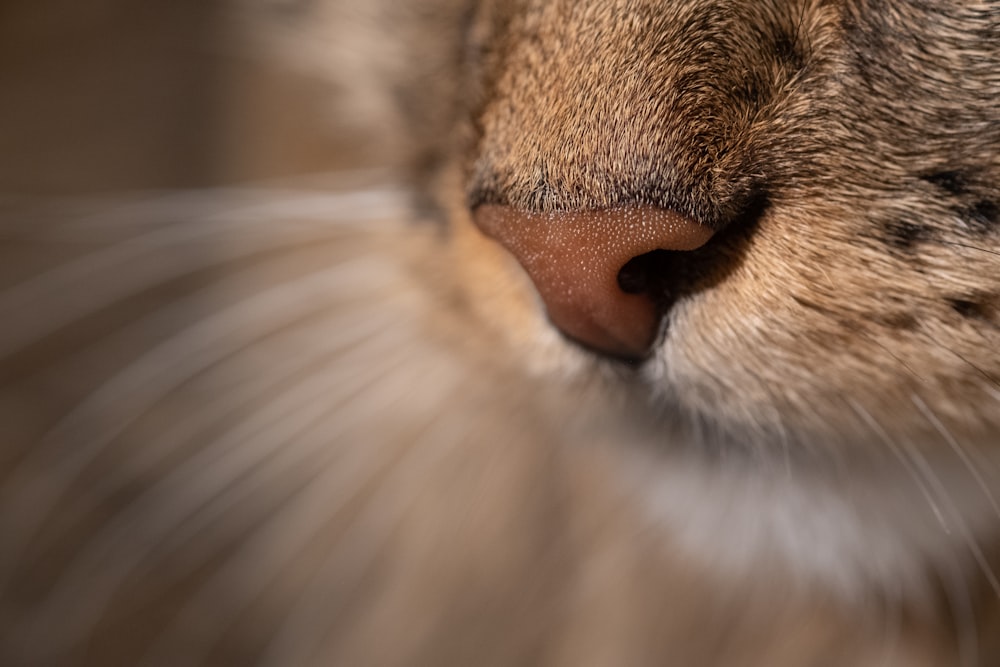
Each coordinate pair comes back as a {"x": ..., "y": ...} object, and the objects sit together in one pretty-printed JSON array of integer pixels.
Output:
[
  {"x": 810, "y": 510},
  {"x": 860, "y": 535},
  {"x": 845, "y": 509}
]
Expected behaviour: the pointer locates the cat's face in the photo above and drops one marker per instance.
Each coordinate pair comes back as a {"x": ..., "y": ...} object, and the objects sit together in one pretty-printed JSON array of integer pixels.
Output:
[{"x": 844, "y": 157}]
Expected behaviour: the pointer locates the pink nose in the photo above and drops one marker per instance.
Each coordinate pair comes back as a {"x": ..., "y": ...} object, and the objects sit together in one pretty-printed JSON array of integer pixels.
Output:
[{"x": 574, "y": 259}]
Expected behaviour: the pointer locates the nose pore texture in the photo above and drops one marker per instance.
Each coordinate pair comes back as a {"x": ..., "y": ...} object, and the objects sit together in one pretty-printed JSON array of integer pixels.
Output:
[{"x": 574, "y": 259}]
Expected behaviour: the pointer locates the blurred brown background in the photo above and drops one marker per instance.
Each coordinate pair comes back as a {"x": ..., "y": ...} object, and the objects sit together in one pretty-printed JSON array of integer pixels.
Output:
[{"x": 130, "y": 94}]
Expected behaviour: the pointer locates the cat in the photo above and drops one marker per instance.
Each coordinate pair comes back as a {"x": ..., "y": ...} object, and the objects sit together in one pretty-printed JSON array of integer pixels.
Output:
[{"x": 669, "y": 337}]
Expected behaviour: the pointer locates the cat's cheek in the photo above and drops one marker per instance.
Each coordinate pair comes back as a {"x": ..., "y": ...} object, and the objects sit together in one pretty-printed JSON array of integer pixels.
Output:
[{"x": 742, "y": 353}]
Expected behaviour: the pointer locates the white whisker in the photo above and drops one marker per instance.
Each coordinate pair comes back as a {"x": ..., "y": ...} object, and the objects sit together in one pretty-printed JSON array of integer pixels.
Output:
[
  {"x": 304, "y": 625},
  {"x": 84, "y": 286},
  {"x": 145, "y": 381},
  {"x": 932, "y": 487},
  {"x": 138, "y": 213},
  {"x": 965, "y": 532},
  {"x": 960, "y": 451},
  {"x": 323, "y": 496},
  {"x": 901, "y": 455},
  {"x": 221, "y": 485}
]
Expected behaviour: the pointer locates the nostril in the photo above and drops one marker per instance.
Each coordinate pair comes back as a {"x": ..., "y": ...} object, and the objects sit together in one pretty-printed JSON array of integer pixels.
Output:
[
  {"x": 636, "y": 277},
  {"x": 593, "y": 269}
]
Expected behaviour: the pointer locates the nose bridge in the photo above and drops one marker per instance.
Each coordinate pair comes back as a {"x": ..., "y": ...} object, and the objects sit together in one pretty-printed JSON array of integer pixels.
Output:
[
  {"x": 574, "y": 258},
  {"x": 576, "y": 123}
]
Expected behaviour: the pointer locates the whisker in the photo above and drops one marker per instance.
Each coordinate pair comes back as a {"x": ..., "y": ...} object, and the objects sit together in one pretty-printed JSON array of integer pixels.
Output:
[
  {"x": 228, "y": 474},
  {"x": 351, "y": 201},
  {"x": 289, "y": 355},
  {"x": 930, "y": 485},
  {"x": 927, "y": 472},
  {"x": 967, "y": 247},
  {"x": 901, "y": 456},
  {"x": 146, "y": 381},
  {"x": 84, "y": 286},
  {"x": 303, "y": 628},
  {"x": 960, "y": 451},
  {"x": 321, "y": 500}
]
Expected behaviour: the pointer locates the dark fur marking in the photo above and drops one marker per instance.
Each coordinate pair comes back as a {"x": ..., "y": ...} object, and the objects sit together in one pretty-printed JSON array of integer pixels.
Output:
[
  {"x": 904, "y": 235},
  {"x": 983, "y": 215},
  {"x": 973, "y": 307},
  {"x": 786, "y": 47},
  {"x": 953, "y": 182}
]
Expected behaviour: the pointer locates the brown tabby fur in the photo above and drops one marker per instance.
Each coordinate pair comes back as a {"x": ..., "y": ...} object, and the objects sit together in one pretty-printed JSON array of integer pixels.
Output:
[{"x": 323, "y": 422}]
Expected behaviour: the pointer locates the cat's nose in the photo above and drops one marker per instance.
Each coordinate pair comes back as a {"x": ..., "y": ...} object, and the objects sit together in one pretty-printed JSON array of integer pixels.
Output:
[{"x": 574, "y": 259}]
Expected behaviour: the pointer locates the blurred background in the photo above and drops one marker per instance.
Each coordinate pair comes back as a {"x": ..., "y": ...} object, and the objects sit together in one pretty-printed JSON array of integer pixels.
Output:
[
  {"x": 106, "y": 104},
  {"x": 181, "y": 182},
  {"x": 111, "y": 95}
]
